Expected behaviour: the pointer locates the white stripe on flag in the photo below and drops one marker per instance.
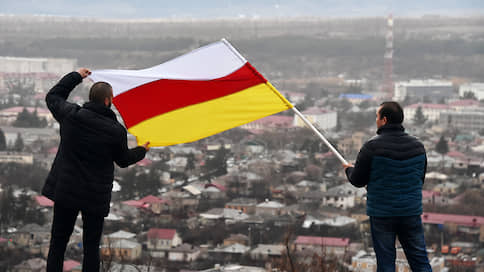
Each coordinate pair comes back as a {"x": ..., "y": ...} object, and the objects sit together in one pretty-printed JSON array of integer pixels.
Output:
[{"x": 205, "y": 63}]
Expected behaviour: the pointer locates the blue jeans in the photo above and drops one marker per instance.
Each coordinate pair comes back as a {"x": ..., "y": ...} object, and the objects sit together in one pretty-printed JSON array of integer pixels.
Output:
[{"x": 409, "y": 230}]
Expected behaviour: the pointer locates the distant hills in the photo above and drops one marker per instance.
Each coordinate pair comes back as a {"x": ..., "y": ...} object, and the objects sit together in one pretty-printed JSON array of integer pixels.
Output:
[{"x": 243, "y": 9}]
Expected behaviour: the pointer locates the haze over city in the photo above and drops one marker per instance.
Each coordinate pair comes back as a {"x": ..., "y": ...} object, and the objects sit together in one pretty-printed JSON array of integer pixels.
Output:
[{"x": 268, "y": 195}]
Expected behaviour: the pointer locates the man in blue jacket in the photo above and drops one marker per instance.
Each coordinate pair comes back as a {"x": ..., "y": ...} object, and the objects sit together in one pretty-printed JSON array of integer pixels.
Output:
[
  {"x": 81, "y": 177},
  {"x": 392, "y": 165}
]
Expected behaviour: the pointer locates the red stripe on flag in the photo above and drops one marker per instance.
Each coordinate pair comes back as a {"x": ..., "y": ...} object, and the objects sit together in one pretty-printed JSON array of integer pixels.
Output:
[{"x": 164, "y": 95}]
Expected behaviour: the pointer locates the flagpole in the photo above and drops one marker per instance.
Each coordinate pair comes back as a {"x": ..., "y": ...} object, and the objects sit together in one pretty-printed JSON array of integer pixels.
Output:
[{"x": 306, "y": 121}]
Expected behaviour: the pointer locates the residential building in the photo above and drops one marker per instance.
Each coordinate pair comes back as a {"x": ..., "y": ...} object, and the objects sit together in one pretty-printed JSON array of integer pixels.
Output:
[
  {"x": 119, "y": 235},
  {"x": 31, "y": 265},
  {"x": 336, "y": 221},
  {"x": 265, "y": 252},
  {"x": 236, "y": 239},
  {"x": 17, "y": 157},
  {"x": 272, "y": 122},
  {"x": 320, "y": 118},
  {"x": 270, "y": 208},
  {"x": 121, "y": 249},
  {"x": 57, "y": 66},
  {"x": 329, "y": 245},
  {"x": 294, "y": 97},
  {"x": 184, "y": 253},
  {"x": 472, "y": 225},
  {"x": 446, "y": 188},
  {"x": 477, "y": 88},
  {"x": 424, "y": 90},
  {"x": 336, "y": 197},
  {"x": 231, "y": 253},
  {"x": 464, "y": 104},
  {"x": 431, "y": 111},
  {"x": 154, "y": 204},
  {"x": 29, "y": 135},
  {"x": 160, "y": 240},
  {"x": 9, "y": 115},
  {"x": 42, "y": 72},
  {"x": 245, "y": 205},
  {"x": 471, "y": 120},
  {"x": 32, "y": 235}
]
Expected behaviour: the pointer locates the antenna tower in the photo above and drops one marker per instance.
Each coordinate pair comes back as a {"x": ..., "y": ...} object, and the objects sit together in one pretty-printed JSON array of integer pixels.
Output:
[{"x": 388, "y": 85}]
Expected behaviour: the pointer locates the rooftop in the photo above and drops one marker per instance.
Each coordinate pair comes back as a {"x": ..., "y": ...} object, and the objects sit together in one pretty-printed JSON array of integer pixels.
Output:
[
  {"x": 322, "y": 241},
  {"x": 460, "y": 220},
  {"x": 428, "y": 106},
  {"x": 164, "y": 234},
  {"x": 121, "y": 235},
  {"x": 44, "y": 201}
]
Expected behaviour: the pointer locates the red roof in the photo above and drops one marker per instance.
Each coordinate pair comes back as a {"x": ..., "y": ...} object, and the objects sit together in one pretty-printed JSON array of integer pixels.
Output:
[
  {"x": 144, "y": 162},
  {"x": 464, "y": 103},
  {"x": 322, "y": 241},
  {"x": 427, "y": 106},
  {"x": 44, "y": 201},
  {"x": 461, "y": 220},
  {"x": 151, "y": 199},
  {"x": 164, "y": 234},
  {"x": 218, "y": 186},
  {"x": 3, "y": 240},
  {"x": 134, "y": 203},
  {"x": 456, "y": 154},
  {"x": 69, "y": 265},
  {"x": 429, "y": 194},
  {"x": 324, "y": 155}
]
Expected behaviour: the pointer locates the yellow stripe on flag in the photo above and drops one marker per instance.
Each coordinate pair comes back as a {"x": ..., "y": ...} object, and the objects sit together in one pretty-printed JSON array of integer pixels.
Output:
[{"x": 201, "y": 120}]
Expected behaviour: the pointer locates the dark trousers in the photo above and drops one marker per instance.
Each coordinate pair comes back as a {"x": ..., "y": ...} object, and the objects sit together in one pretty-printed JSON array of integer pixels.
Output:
[
  {"x": 62, "y": 227},
  {"x": 409, "y": 230}
]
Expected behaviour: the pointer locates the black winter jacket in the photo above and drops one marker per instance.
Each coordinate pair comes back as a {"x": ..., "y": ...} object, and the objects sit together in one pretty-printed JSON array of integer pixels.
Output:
[
  {"x": 91, "y": 140},
  {"x": 392, "y": 165}
]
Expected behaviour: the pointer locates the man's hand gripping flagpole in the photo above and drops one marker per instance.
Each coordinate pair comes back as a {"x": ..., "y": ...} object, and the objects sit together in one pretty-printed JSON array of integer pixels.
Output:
[{"x": 311, "y": 126}]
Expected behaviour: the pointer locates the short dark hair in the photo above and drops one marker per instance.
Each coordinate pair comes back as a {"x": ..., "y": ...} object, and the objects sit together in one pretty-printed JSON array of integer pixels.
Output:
[
  {"x": 392, "y": 111},
  {"x": 100, "y": 91}
]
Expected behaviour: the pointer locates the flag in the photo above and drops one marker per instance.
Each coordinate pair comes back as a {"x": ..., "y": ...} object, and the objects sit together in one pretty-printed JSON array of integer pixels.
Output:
[{"x": 193, "y": 96}]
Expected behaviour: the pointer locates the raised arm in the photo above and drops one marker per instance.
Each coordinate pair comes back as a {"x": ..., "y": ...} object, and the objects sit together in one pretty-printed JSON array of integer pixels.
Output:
[{"x": 56, "y": 98}]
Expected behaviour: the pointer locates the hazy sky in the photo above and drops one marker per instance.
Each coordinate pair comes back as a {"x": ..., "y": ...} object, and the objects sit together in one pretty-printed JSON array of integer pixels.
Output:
[{"x": 238, "y": 8}]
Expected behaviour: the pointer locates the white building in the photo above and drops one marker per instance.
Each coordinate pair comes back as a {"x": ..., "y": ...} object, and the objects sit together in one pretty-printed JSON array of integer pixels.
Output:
[
  {"x": 122, "y": 249},
  {"x": 42, "y": 72},
  {"x": 339, "y": 197},
  {"x": 433, "y": 90},
  {"x": 323, "y": 119},
  {"x": 463, "y": 120},
  {"x": 270, "y": 208},
  {"x": 430, "y": 111},
  {"x": 184, "y": 253},
  {"x": 22, "y": 158},
  {"x": 476, "y": 88},
  {"x": 55, "y": 66}
]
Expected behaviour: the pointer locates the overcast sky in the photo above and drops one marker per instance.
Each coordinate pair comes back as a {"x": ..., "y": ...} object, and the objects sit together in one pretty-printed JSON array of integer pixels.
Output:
[{"x": 238, "y": 8}]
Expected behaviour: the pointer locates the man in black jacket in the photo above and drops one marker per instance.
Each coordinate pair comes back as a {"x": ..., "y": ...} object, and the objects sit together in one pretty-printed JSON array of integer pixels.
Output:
[
  {"x": 81, "y": 177},
  {"x": 392, "y": 165}
]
